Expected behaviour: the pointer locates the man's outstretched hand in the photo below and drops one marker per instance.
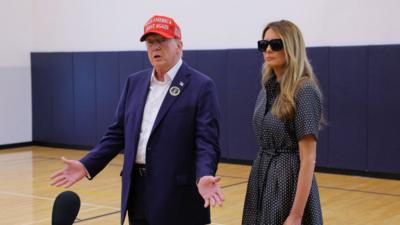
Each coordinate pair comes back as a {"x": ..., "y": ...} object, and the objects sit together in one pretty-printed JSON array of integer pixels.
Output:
[
  {"x": 73, "y": 172},
  {"x": 210, "y": 191}
]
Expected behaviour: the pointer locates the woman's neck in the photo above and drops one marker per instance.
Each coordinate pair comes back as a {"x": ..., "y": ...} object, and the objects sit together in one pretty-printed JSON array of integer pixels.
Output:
[{"x": 278, "y": 73}]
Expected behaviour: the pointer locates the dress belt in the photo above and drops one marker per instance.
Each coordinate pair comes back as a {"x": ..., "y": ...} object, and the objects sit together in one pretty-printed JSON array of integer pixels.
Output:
[
  {"x": 262, "y": 173},
  {"x": 276, "y": 152}
]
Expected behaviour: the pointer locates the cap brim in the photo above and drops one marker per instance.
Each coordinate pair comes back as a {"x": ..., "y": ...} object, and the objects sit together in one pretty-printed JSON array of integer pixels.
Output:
[{"x": 166, "y": 35}]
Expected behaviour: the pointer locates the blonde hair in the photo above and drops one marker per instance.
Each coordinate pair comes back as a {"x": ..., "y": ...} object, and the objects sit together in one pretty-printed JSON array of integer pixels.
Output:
[{"x": 297, "y": 68}]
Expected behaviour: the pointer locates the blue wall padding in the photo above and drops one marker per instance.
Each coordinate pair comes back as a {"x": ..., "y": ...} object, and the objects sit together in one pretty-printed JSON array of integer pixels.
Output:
[
  {"x": 74, "y": 96},
  {"x": 129, "y": 62},
  {"x": 146, "y": 62},
  {"x": 63, "y": 97},
  {"x": 384, "y": 109},
  {"x": 348, "y": 107},
  {"x": 243, "y": 79},
  {"x": 191, "y": 58},
  {"x": 107, "y": 89},
  {"x": 319, "y": 58},
  {"x": 53, "y": 98},
  {"x": 214, "y": 64},
  {"x": 42, "y": 123},
  {"x": 84, "y": 65}
]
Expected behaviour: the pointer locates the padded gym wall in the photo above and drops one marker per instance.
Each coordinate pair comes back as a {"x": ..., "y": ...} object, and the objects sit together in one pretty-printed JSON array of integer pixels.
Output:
[{"x": 75, "y": 95}]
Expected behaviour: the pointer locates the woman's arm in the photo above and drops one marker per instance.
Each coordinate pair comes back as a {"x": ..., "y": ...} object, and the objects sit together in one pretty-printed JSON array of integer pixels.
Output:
[{"x": 307, "y": 147}]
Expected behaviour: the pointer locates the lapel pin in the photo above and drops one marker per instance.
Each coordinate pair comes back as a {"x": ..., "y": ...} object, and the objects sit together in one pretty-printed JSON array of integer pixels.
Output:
[
  {"x": 174, "y": 91},
  {"x": 181, "y": 83}
]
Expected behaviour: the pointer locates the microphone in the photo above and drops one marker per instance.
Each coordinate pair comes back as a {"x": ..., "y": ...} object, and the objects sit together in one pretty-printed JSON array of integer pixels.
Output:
[{"x": 65, "y": 208}]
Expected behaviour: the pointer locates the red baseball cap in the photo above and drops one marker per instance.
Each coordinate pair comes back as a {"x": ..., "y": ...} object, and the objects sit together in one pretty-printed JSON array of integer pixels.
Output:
[{"x": 163, "y": 26}]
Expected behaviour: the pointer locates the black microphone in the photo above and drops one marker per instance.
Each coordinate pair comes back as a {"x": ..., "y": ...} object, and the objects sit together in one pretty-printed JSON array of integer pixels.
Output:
[{"x": 65, "y": 208}]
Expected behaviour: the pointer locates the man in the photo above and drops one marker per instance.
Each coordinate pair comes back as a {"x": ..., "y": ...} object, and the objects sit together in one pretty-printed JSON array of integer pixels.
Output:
[{"x": 167, "y": 122}]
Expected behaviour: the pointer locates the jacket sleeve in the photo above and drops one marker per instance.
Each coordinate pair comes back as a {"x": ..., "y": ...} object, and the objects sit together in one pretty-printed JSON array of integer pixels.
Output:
[
  {"x": 111, "y": 143},
  {"x": 207, "y": 131}
]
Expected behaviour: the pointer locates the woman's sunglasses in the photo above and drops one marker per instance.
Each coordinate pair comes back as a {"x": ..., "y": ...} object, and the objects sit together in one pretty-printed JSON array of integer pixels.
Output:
[{"x": 276, "y": 45}]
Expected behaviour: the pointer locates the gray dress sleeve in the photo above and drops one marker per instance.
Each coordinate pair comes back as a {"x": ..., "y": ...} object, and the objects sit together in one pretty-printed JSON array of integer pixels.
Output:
[{"x": 308, "y": 111}]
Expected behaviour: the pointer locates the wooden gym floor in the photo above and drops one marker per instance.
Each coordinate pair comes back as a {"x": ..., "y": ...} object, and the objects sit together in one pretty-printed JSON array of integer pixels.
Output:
[{"x": 26, "y": 196}]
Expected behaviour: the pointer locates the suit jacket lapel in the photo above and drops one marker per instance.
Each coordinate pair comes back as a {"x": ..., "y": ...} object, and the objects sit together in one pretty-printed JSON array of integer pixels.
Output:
[{"x": 180, "y": 81}]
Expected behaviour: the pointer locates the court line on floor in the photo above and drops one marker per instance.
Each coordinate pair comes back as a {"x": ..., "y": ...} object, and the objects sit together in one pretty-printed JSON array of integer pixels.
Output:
[
  {"x": 231, "y": 185},
  {"x": 234, "y": 177},
  {"x": 96, "y": 217},
  {"x": 360, "y": 191},
  {"x": 52, "y": 199}
]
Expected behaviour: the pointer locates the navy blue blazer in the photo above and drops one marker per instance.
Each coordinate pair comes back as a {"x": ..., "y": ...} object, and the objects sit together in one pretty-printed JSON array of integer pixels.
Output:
[{"x": 183, "y": 146}]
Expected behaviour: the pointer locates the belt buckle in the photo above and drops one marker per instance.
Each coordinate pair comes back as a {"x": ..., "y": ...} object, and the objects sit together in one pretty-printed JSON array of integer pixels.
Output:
[{"x": 142, "y": 171}]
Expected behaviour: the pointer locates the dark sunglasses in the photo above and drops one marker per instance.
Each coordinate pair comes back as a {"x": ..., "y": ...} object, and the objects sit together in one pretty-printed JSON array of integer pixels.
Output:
[{"x": 276, "y": 45}]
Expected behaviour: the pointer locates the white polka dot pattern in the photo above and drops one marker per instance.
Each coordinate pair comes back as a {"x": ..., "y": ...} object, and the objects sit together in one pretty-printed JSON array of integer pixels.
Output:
[{"x": 273, "y": 178}]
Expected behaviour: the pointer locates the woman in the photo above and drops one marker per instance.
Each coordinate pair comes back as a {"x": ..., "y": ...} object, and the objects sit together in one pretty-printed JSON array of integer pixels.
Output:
[{"x": 287, "y": 117}]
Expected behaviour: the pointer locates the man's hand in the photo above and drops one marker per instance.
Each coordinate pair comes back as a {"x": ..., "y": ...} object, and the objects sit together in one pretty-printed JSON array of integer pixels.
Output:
[
  {"x": 210, "y": 191},
  {"x": 72, "y": 173}
]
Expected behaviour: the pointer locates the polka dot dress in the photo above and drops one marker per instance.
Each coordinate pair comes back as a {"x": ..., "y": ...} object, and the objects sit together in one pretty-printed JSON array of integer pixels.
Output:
[{"x": 273, "y": 177}]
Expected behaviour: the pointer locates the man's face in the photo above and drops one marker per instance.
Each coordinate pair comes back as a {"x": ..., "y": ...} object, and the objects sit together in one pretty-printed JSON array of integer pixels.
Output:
[{"x": 163, "y": 53}]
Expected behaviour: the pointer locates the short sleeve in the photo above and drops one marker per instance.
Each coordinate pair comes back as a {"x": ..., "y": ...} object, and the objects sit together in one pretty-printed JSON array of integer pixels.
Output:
[
  {"x": 260, "y": 98},
  {"x": 308, "y": 111}
]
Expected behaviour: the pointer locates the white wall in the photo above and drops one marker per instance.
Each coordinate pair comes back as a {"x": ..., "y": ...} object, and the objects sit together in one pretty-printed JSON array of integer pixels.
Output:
[
  {"x": 94, "y": 25},
  {"x": 15, "y": 80}
]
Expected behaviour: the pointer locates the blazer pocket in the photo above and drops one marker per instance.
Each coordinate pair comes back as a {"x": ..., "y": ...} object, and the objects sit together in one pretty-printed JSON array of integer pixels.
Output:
[{"x": 185, "y": 180}]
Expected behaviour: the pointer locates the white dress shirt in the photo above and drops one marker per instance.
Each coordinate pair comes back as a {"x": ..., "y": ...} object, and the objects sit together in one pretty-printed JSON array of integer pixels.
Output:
[{"x": 155, "y": 97}]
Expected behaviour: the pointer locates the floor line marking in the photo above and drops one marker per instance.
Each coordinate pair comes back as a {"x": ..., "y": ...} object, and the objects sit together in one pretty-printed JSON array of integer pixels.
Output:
[
  {"x": 360, "y": 191},
  {"x": 52, "y": 199}
]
